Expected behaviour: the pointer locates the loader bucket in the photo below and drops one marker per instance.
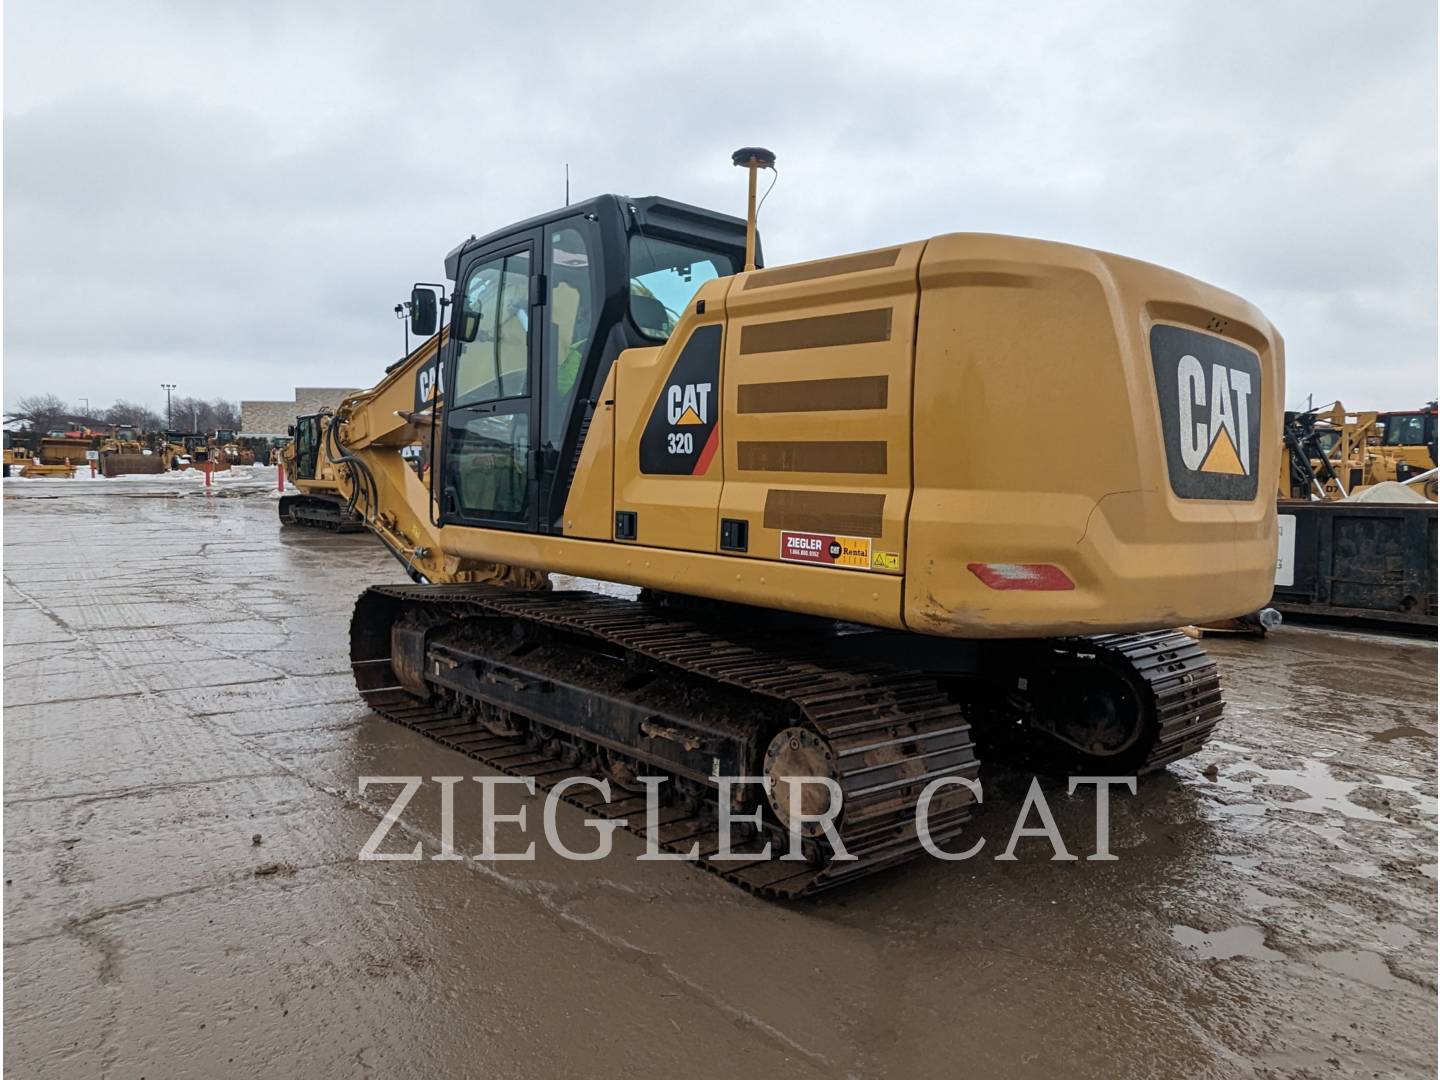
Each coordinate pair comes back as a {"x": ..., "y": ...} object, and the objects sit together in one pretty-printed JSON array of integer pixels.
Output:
[{"x": 131, "y": 464}]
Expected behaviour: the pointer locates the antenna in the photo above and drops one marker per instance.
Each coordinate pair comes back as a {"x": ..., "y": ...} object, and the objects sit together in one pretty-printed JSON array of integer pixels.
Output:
[
  {"x": 752, "y": 158},
  {"x": 567, "y": 183}
]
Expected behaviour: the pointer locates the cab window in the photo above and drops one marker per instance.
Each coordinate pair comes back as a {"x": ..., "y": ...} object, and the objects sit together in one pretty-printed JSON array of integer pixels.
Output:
[
  {"x": 494, "y": 362},
  {"x": 664, "y": 275},
  {"x": 1405, "y": 431},
  {"x": 307, "y": 446},
  {"x": 573, "y": 312},
  {"x": 489, "y": 467}
]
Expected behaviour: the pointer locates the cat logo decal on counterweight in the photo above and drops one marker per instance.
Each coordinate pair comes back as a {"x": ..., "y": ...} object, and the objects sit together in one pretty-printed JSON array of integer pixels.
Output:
[
  {"x": 682, "y": 434},
  {"x": 1209, "y": 396}
]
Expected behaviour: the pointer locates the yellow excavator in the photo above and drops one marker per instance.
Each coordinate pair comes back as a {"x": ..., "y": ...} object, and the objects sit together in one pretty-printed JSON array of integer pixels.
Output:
[
  {"x": 855, "y": 582},
  {"x": 319, "y": 503}
]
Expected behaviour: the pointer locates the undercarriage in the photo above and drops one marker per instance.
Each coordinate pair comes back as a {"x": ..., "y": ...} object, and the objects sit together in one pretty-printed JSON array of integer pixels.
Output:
[
  {"x": 552, "y": 685},
  {"x": 320, "y": 512}
]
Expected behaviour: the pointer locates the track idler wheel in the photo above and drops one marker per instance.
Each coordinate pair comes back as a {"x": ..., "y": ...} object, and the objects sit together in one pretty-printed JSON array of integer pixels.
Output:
[{"x": 797, "y": 753}]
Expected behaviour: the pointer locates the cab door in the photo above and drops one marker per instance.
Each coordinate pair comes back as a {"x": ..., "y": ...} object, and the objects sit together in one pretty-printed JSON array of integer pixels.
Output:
[
  {"x": 307, "y": 446},
  {"x": 489, "y": 465}
]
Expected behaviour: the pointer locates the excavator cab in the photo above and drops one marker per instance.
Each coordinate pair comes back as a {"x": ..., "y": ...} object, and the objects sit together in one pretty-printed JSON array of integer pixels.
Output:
[
  {"x": 539, "y": 313},
  {"x": 307, "y": 446}
]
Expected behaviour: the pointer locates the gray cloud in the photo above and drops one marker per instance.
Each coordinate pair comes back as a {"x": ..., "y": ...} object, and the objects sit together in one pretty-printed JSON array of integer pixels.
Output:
[{"x": 233, "y": 197}]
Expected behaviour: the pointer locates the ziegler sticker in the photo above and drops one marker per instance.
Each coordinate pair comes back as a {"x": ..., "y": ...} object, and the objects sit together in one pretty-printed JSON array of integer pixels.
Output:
[
  {"x": 683, "y": 432},
  {"x": 826, "y": 550},
  {"x": 1209, "y": 391}
]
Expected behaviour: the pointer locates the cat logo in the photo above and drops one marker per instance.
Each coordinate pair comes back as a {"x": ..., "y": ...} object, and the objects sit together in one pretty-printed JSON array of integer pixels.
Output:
[
  {"x": 1221, "y": 444},
  {"x": 688, "y": 404},
  {"x": 429, "y": 384},
  {"x": 682, "y": 435},
  {"x": 1209, "y": 397}
]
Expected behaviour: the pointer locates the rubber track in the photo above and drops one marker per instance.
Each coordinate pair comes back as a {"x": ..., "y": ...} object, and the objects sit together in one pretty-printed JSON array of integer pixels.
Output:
[{"x": 893, "y": 730}]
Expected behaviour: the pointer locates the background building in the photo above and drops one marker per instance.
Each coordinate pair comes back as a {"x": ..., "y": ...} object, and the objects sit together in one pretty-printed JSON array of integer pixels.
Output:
[{"x": 275, "y": 417}]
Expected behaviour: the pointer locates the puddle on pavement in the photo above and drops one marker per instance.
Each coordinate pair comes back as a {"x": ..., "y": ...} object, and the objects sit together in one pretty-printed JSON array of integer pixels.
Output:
[
  {"x": 1360, "y": 964},
  {"x": 1320, "y": 791},
  {"x": 1357, "y": 869},
  {"x": 1404, "y": 731},
  {"x": 1259, "y": 900},
  {"x": 1236, "y": 941},
  {"x": 1425, "y": 801}
]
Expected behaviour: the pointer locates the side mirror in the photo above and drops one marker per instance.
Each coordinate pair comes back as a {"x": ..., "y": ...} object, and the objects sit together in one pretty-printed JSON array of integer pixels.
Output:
[
  {"x": 424, "y": 312},
  {"x": 469, "y": 328},
  {"x": 292, "y": 431}
]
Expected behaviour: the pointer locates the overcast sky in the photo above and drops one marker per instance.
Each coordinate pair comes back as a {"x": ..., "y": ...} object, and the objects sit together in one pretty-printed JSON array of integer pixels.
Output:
[{"x": 232, "y": 197}]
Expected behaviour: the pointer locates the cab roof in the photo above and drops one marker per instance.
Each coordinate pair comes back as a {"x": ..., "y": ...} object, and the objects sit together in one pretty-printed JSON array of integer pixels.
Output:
[{"x": 655, "y": 214}]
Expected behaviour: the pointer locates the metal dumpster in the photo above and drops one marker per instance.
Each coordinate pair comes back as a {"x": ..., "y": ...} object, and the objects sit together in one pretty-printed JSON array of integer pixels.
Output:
[{"x": 1364, "y": 561}]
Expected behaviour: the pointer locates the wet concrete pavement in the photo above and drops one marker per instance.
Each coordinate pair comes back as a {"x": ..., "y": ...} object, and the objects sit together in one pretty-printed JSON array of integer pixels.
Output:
[{"x": 176, "y": 684}]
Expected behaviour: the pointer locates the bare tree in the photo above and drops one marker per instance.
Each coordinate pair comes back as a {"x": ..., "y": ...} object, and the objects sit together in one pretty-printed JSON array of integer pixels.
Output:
[
  {"x": 45, "y": 412},
  {"x": 140, "y": 417},
  {"x": 197, "y": 414},
  {"x": 190, "y": 414},
  {"x": 227, "y": 414},
  {"x": 40, "y": 413}
]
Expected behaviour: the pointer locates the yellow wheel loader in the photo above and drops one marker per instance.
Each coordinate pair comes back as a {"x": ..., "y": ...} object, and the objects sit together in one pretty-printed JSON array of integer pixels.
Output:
[
  {"x": 1332, "y": 453},
  {"x": 855, "y": 583},
  {"x": 1406, "y": 450}
]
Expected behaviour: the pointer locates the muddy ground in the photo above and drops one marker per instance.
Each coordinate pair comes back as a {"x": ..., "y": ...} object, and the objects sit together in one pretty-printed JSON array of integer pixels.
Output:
[{"x": 176, "y": 687}]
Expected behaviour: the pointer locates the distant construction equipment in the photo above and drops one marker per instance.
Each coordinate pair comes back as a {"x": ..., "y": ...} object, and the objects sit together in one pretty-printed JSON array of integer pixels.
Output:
[
  {"x": 320, "y": 504},
  {"x": 1357, "y": 516}
]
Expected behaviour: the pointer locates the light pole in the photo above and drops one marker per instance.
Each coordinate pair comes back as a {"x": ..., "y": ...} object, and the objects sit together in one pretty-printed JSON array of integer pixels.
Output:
[
  {"x": 402, "y": 312},
  {"x": 167, "y": 387}
]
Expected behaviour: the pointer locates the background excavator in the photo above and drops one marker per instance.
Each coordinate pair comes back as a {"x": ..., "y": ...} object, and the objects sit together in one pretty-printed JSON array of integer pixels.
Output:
[
  {"x": 319, "y": 503},
  {"x": 849, "y": 568}
]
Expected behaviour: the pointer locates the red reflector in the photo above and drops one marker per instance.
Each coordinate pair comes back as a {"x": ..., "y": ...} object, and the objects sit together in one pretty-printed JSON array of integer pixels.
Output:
[{"x": 1000, "y": 575}]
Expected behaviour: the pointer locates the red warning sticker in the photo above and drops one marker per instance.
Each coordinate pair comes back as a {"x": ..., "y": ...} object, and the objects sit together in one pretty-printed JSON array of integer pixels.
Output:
[{"x": 826, "y": 550}]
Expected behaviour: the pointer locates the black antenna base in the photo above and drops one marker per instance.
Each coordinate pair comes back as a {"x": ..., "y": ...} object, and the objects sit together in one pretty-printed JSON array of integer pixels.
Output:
[{"x": 765, "y": 159}]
